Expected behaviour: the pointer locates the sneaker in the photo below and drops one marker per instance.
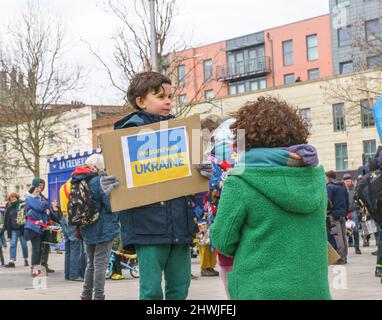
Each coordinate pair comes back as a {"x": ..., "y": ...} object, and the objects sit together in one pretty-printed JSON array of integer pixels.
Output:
[
  {"x": 216, "y": 273},
  {"x": 194, "y": 277},
  {"x": 208, "y": 273},
  {"x": 374, "y": 253},
  {"x": 26, "y": 263},
  {"x": 78, "y": 279},
  {"x": 117, "y": 276},
  {"x": 357, "y": 251},
  {"x": 47, "y": 269},
  {"x": 378, "y": 273},
  {"x": 10, "y": 264}
]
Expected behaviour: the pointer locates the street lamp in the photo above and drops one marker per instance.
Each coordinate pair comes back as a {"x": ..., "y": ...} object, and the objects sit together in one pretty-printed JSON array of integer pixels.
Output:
[{"x": 154, "y": 45}]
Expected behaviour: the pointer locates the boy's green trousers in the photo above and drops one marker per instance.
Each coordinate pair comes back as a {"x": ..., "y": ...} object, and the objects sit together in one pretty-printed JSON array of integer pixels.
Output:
[{"x": 172, "y": 260}]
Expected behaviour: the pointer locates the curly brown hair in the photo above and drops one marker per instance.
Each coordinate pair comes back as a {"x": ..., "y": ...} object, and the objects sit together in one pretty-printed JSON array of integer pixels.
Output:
[{"x": 269, "y": 122}]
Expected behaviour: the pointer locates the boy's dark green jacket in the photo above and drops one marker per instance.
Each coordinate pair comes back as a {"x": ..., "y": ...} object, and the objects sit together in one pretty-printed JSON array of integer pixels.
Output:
[{"x": 166, "y": 222}]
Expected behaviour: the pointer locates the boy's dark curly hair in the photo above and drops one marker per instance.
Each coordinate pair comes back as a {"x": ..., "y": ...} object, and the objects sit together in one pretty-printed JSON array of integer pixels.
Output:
[
  {"x": 269, "y": 123},
  {"x": 143, "y": 83}
]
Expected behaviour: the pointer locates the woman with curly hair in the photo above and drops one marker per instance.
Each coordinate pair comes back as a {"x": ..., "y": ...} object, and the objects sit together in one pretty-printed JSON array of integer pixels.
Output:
[{"x": 271, "y": 215}]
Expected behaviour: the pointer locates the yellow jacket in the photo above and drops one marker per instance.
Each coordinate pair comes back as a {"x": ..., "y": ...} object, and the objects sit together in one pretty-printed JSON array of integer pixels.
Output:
[{"x": 64, "y": 196}]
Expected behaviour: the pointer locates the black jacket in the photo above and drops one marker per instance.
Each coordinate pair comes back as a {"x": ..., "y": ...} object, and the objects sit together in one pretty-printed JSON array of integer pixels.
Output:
[
  {"x": 10, "y": 219},
  {"x": 166, "y": 222},
  {"x": 338, "y": 195}
]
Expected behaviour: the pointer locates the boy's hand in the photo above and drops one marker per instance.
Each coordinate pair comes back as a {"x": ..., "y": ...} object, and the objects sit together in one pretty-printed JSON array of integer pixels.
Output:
[
  {"x": 108, "y": 183},
  {"x": 205, "y": 169}
]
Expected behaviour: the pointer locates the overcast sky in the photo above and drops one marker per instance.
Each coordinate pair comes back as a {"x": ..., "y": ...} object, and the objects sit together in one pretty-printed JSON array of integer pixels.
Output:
[{"x": 198, "y": 21}]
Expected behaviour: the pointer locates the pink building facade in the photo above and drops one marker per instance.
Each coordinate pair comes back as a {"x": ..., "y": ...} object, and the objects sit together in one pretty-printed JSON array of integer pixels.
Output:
[{"x": 298, "y": 51}]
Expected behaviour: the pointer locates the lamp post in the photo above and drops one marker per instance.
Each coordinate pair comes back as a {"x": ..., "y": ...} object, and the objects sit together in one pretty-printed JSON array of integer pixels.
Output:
[{"x": 153, "y": 32}]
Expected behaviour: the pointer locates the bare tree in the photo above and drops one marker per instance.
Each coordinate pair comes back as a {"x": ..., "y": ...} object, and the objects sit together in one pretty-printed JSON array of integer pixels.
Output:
[
  {"x": 33, "y": 81},
  {"x": 132, "y": 44}
]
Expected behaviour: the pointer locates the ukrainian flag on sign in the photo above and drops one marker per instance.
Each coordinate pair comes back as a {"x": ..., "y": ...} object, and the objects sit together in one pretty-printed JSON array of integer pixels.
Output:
[{"x": 155, "y": 157}]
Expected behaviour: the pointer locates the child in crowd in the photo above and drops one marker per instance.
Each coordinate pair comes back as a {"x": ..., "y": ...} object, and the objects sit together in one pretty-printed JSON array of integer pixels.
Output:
[
  {"x": 161, "y": 232},
  {"x": 271, "y": 214}
]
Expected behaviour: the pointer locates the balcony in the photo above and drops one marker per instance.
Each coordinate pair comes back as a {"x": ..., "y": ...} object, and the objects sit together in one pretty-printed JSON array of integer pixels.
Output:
[{"x": 244, "y": 69}]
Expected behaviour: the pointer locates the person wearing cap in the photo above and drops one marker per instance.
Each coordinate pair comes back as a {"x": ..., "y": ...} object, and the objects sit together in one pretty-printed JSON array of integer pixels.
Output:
[
  {"x": 338, "y": 195},
  {"x": 36, "y": 208},
  {"x": 353, "y": 212},
  {"x": 45, "y": 247},
  {"x": 98, "y": 237}
]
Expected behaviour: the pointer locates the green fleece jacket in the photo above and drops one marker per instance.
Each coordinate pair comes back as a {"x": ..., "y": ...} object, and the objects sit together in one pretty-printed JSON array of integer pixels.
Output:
[{"x": 272, "y": 220}]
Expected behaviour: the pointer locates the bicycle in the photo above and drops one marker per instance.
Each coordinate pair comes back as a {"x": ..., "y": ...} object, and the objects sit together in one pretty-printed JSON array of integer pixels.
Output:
[{"x": 127, "y": 261}]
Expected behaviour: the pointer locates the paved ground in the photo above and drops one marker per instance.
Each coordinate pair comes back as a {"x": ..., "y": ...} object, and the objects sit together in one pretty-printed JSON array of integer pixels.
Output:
[{"x": 351, "y": 282}]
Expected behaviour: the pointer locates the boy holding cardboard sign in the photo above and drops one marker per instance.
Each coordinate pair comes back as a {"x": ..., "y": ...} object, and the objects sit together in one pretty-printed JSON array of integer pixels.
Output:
[{"x": 161, "y": 232}]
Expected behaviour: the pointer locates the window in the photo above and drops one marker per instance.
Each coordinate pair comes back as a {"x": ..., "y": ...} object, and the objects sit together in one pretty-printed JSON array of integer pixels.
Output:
[
  {"x": 312, "y": 47},
  {"x": 306, "y": 114},
  {"x": 366, "y": 114},
  {"x": 17, "y": 188},
  {"x": 341, "y": 156},
  {"x": 343, "y": 3},
  {"x": 236, "y": 88},
  {"x": 346, "y": 67},
  {"x": 258, "y": 84},
  {"x": 369, "y": 150},
  {"x": 313, "y": 74},
  {"x": 182, "y": 99},
  {"x": 236, "y": 63},
  {"x": 182, "y": 75},
  {"x": 50, "y": 137},
  {"x": 3, "y": 146},
  {"x": 208, "y": 94},
  {"x": 374, "y": 62},
  {"x": 5, "y": 191},
  {"x": 288, "y": 52},
  {"x": 289, "y": 78},
  {"x": 344, "y": 37},
  {"x": 76, "y": 131},
  {"x": 373, "y": 29},
  {"x": 339, "y": 122},
  {"x": 207, "y": 64}
]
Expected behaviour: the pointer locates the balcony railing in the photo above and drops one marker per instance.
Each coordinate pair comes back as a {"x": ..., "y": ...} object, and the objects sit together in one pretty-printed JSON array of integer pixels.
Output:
[{"x": 243, "y": 69}]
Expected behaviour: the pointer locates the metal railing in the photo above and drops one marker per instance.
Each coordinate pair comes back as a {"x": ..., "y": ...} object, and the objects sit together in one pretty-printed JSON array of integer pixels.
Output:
[{"x": 243, "y": 68}]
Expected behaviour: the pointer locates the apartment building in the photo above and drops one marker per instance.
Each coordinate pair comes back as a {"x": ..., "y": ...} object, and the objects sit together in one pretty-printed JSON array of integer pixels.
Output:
[
  {"x": 343, "y": 131},
  {"x": 282, "y": 55},
  {"x": 356, "y": 35}
]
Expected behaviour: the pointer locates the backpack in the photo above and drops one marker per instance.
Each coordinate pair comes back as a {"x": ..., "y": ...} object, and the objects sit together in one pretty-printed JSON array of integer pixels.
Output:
[
  {"x": 21, "y": 214},
  {"x": 82, "y": 209},
  {"x": 369, "y": 193}
]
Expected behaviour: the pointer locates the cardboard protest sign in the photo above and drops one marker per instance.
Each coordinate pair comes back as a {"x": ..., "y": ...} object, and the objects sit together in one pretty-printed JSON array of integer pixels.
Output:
[
  {"x": 154, "y": 157},
  {"x": 156, "y": 162}
]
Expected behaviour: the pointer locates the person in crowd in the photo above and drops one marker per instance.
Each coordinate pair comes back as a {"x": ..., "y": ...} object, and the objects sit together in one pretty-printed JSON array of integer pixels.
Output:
[
  {"x": 45, "y": 247},
  {"x": 271, "y": 214},
  {"x": 339, "y": 197},
  {"x": 204, "y": 207},
  {"x": 162, "y": 232},
  {"x": 353, "y": 212},
  {"x": 37, "y": 212},
  {"x": 117, "y": 270},
  {"x": 56, "y": 214},
  {"x": 3, "y": 244},
  {"x": 98, "y": 236},
  {"x": 14, "y": 230},
  {"x": 75, "y": 257}
]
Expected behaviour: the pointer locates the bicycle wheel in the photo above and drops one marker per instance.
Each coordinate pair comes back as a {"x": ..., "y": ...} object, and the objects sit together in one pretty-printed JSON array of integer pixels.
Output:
[
  {"x": 109, "y": 271},
  {"x": 134, "y": 271}
]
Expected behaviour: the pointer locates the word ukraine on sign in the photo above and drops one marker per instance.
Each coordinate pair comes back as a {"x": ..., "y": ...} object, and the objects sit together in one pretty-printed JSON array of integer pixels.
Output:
[{"x": 154, "y": 157}]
